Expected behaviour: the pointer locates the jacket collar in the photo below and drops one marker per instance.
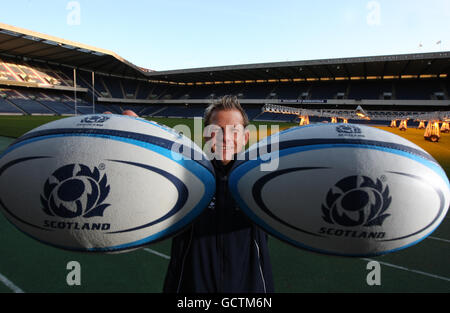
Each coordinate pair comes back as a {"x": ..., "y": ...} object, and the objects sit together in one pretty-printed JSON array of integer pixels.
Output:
[{"x": 222, "y": 168}]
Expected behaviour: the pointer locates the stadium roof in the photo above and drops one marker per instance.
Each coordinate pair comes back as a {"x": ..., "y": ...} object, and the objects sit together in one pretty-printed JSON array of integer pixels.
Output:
[
  {"x": 19, "y": 42},
  {"x": 390, "y": 66}
]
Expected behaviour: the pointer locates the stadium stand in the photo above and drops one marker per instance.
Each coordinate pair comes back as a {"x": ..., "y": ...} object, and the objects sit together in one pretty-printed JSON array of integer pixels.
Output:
[
  {"x": 55, "y": 75},
  {"x": 373, "y": 90},
  {"x": 157, "y": 91},
  {"x": 143, "y": 90},
  {"x": 203, "y": 92},
  {"x": 114, "y": 87},
  {"x": 7, "y": 107},
  {"x": 55, "y": 105},
  {"x": 253, "y": 112},
  {"x": 291, "y": 90},
  {"x": 25, "y": 102},
  {"x": 152, "y": 110},
  {"x": 274, "y": 117},
  {"x": 129, "y": 88},
  {"x": 413, "y": 90},
  {"x": 228, "y": 89},
  {"x": 328, "y": 90},
  {"x": 5, "y": 73},
  {"x": 180, "y": 111},
  {"x": 29, "y": 72},
  {"x": 40, "y": 80},
  {"x": 84, "y": 79},
  {"x": 257, "y": 91}
]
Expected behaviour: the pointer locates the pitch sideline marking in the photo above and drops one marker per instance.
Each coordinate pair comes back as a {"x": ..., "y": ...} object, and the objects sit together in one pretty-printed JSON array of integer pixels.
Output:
[
  {"x": 408, "y": 270},
  {"x": 157, "y": 253},
  {"x": 168, "y": 257},
  {"x": 439, "y": 239},
  {"x": 10, "y": 284},
  {"x": 365, "y": 259}
]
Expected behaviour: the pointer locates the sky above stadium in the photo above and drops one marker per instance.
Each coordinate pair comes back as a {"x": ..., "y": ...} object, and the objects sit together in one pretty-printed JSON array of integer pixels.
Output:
[{"x": 178, "y": 34}]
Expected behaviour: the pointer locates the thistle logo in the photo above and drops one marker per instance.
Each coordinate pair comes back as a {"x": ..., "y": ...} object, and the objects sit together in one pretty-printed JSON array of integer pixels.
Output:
[
  {"x": 75, "y": 191},
  {"x": 357, "y": 201},
  {"x": 348, "y": 129},
  {"x": 96, "y": 119}
]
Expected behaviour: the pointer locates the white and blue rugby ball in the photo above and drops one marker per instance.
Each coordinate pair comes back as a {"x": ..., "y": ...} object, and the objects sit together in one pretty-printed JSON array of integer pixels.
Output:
[
  {"x": 342, "y": 189},
  {"x": 103, "y": 183}
]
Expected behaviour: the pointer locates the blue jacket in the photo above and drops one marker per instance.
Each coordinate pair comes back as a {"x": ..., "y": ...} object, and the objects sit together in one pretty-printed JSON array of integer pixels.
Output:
[{"x": 222, "y": 251}]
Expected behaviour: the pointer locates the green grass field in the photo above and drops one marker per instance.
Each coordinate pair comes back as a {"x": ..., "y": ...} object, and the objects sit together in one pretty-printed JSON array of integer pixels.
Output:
[{"x": 29, "y": 266}]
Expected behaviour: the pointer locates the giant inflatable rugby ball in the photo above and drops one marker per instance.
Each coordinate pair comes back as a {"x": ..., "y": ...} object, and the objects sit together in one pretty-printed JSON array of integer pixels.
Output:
[
  {"x": 103, "y": 183},
  {"x": 342, "y": 189}
]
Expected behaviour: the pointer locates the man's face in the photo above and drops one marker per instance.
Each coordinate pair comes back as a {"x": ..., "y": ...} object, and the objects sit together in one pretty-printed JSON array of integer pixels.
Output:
[{"x": 227, "y": 134}]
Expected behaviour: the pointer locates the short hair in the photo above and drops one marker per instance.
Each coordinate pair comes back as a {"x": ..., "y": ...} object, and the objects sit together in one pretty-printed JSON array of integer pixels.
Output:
[{"x": 223, "y": 104}]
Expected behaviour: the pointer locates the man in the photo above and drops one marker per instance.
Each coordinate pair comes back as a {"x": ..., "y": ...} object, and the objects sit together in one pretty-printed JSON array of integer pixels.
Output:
[{"x": 223, "y": 251}]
